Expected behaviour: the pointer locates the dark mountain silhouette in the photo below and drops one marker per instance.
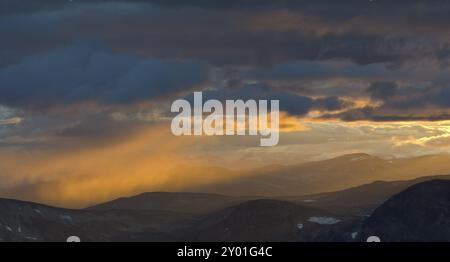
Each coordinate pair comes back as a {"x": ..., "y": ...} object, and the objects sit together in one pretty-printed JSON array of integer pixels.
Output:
[
  {"x": 267, "y": 220},
  {"x": 420, "y": 213},
  {"x": 26, "y": 221},
  {"x": 257, "y": 220}
]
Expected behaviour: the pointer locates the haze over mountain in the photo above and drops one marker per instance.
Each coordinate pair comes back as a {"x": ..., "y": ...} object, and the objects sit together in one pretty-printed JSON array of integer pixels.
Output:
[
  {"x": 328, "y": 175},
  {"x": 272, "y": 181}
]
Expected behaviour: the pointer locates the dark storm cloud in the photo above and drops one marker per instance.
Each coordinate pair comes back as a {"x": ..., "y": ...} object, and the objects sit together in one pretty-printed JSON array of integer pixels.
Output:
[
  {"x": 229, "y": 32},
  {"x": 290, "y": 102},
  {"x": 87, "y": 73},
  {"x": 12, "y": 7},
  {"x": 382, "y": 90},
  {"x": 332, "y": 9},
  {"x": 326, "y": 70},
  {"x": 433, "y": 96},
  {"x": 402, "y": 103},
  {"x": 322, "y": 7},
  {"x": 264, "y": 41},
  {"x": 230, "y": 39},
  {"x": 194, "y": 34},
  {"x": 331, "y": 103},
  {"x": 411, "y": 98}
]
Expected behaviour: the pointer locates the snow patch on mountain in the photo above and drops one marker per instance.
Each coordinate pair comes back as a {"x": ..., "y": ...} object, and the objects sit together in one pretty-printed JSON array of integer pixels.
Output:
[{"x": 324, "y": 220}]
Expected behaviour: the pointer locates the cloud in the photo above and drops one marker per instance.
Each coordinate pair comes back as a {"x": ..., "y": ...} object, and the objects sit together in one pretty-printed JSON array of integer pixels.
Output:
[
  {"x": 290, "y": 102},
  {"x": 303, "y": 47},
  {"x": 382, "y": 90},
  {"x": 331, "y": 103},
  {"x": 251, "y": 32},
  {"x": 87, "y": 73}
]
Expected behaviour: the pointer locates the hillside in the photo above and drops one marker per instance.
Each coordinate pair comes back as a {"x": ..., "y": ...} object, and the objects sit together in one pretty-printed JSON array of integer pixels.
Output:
[{"x": 420, "y": 213}]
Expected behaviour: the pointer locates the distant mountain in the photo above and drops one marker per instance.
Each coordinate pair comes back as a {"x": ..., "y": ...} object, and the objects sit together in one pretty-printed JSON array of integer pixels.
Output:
[
  {"x": 361, "y": 199},
  {"x": 268, "y": 220},
  {"x": 327, "y": 176},
  {"x": 420, "y": 213},
  {"x": 191, "y": 203}
]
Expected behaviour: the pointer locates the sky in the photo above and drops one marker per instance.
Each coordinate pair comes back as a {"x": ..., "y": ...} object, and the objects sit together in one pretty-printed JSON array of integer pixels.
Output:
[{"x": 86, "y": 87}]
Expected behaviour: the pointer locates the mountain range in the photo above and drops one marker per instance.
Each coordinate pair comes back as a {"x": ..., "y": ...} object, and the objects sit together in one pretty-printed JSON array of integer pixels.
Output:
[
  {"x": 329, "y": 175},
  {"x": 384, "y": 208}
]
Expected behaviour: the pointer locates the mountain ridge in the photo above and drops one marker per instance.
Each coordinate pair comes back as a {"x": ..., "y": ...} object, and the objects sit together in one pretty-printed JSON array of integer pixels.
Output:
[
  {"x": 327, "y": 218},
  {"x": 420, "y": 213}
]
